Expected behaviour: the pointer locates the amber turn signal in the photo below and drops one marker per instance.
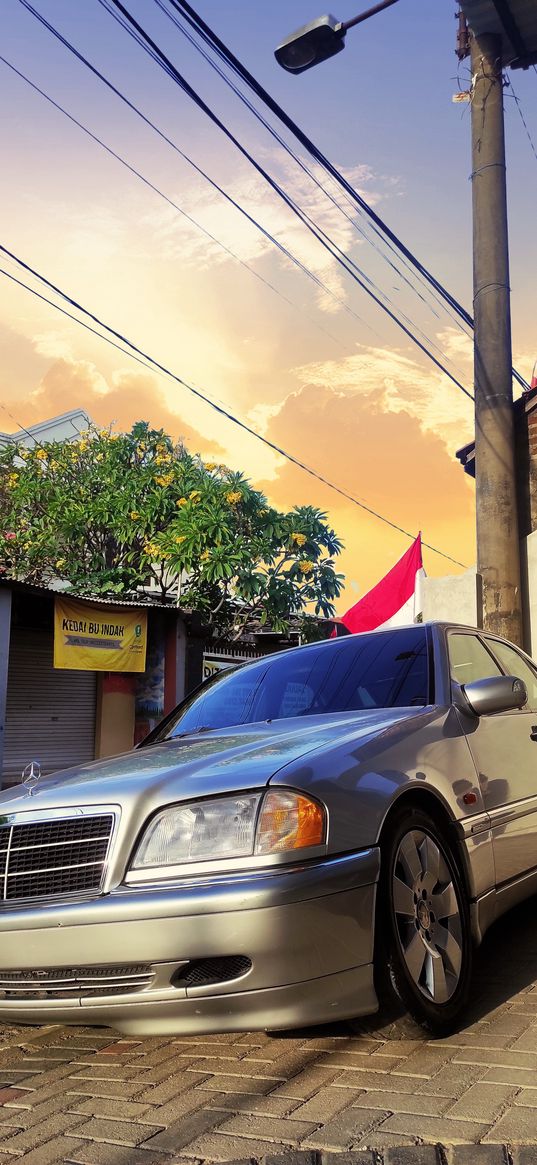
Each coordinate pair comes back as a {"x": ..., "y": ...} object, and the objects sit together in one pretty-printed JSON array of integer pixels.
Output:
[{"x": 289, "y": 821}]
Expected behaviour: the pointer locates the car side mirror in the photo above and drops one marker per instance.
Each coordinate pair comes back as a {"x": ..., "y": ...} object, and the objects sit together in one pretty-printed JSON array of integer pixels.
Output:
[{"x": 495, "y": 694}]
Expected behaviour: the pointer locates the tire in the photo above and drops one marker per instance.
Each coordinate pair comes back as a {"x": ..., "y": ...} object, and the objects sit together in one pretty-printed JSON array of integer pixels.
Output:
[{"x": 424, "y": 942}]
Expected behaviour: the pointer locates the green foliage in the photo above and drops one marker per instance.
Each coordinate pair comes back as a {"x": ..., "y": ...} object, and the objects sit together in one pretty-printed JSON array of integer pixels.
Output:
[{"x": 110, "y": 510}]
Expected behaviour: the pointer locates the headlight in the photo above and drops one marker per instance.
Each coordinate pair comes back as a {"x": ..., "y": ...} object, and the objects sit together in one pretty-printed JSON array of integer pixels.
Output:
[{"x": 231, "y": 827}]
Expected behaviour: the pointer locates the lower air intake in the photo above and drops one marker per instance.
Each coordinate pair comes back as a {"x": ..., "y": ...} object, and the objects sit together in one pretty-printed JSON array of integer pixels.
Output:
[{"x": 202, "y": 972}]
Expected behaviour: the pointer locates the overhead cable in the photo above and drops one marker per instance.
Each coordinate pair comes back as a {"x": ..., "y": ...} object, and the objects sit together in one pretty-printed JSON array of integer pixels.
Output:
[
  {"x": 343, "y": 260},
  {"x": 137, "y": 173},
  {"x": 204, "y": 30},
  {"x": 129, "y": 347},
  {"x": 318, "y": 232}
]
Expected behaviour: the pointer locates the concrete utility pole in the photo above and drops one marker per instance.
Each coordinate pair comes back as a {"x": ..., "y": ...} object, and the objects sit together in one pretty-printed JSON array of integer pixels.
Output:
[{"x": 498, "y": 550}]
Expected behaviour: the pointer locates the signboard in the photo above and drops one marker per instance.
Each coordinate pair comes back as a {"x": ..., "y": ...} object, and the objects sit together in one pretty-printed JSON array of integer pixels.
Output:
[
  {"x": 95, "y": 638},
  {"x": 212, "y": 665}
]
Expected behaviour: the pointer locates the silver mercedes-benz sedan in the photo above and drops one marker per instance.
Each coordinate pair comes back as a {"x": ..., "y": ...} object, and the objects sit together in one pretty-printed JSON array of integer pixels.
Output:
[{"x": 302, "y": 832}]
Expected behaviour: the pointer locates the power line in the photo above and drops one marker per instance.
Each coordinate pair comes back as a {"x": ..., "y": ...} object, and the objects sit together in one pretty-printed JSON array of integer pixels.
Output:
[
  {"x": 147, "y": 182},
  {"x": 277, "y": 137},
  {"x": 318, "y": 233},
  {"x": 336, "y": 252},
  {"x": 202, "y": 173},
  {"x": 348, "y": 265},
  {"x": 523, "y": 120},
  {"x": 139, "y": 355},
  {"x": 205, "y": 31}
]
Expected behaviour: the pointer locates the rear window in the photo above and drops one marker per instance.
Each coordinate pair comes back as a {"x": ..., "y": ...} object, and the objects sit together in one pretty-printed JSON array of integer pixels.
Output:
[{"x": 381, "y": 670}]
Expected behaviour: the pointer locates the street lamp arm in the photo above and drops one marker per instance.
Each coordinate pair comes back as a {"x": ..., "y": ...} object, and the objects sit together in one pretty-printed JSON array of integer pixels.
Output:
[{"x": 346, "y": 24}]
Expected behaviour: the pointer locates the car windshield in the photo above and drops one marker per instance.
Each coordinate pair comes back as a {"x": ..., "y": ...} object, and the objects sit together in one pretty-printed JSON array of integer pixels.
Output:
[{"x": 379, "y": 670}]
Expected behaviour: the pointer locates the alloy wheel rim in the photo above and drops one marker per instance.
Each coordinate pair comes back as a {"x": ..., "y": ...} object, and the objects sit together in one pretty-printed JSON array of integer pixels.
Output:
[{"x": 427, "y": 916}]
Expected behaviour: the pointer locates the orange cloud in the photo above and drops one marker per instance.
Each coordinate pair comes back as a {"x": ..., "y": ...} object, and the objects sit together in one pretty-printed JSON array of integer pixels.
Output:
[
  {"x": 132, "y": 396},
  {"x": 388, "y": 461}
]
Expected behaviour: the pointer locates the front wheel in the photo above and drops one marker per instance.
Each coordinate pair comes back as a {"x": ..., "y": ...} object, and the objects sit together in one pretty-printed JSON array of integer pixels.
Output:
[{"x": 424, "y": 934}]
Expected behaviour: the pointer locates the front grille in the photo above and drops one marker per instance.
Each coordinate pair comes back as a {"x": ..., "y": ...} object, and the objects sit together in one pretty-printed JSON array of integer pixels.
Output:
[
  {"x": 43, "y": 859},
  {"x": 75, "y": 983},
  {"x": 202, "y": 972}
]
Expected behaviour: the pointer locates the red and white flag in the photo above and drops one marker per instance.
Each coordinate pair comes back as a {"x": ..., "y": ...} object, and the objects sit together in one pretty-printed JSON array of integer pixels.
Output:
[{"x": 395, "y": 601}]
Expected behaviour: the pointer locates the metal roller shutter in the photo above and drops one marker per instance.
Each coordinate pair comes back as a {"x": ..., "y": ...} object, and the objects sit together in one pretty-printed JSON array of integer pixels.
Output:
[{"x": 50, "y": 715}]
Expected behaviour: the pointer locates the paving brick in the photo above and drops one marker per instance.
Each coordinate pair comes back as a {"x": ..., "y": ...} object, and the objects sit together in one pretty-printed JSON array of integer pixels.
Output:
[
  {"x": 325, "y": 1104},
  {"x": 307, "y": 1083},
  {"x": 42, "y": 1132},
  {"x": 236, "y": 1084},
  {"x": 402, "y": 1102},
  {"x": 115, "y": 1132},
  {"x": 503, "y": 1058},
  {"x": 365, "y": 1157},
  {"x": 180, "y": 1106},
  {"x": 479, "y": 1155},
  {"x": 519, "y": 1077},
  {"x": 119, "y": 1089},
  {"x": 45, "y": 1154},
  {"x": 362, "y": 1078},
  {"x": 218, "y": 1147},
  {"x": 517, "y": 1124},
  {"x": 121, "y": 1048},
  {"x": 128, "y": 1110},
  {"x": 268, "y": 1128},
  {"x": 348, "y": 1059},
  {"x": 527, "y": 1097},
  {"x": 524, "y": 1154},
  {"x": 425, "y": 1061},
  {"x": 97, "y": 1153},
  {"x": 298, "y": 1157},
  {"x": 8, "y": 1095},
  {"x": 438, "y": 1129},
  {"x": 452, "y": 1080},
  {"x": 180, "y": 1134},
  {"x": 345, "y": 1129},
  {"x": 256, "y": 1105},
  {"x": 112, "y": 1071},
  {"x": 25, "y": 1118},
  {"x": 482, "y": 1102},
  {"x": 417, "y": 1155},
  {"x": 171, "y": 1087}
]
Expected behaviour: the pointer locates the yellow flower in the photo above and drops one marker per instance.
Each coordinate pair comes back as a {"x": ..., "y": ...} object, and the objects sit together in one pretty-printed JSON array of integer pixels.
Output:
[
  {"x": 83, "y": 445},
  {"x": 204, "y": 557},
  {"x": 164, "y": 479},
  {"x": 182, "y": 502},
  {"x": 41, "y": 455},
  {"x": 60, "y": 563},
  {"x": 299, "y": 539},
  {"x": 194, "y": 495},
  {"x": 162, "y": 459},
  {"x": 134, "y": 515},
  {"x": 152, "y": 550},
  {"x": 99, "y": 456},
  {"x": 233, "y": 497},
  {"x": 12, "y": 479},
  {"x": 210, "y": 465},
  {"x": 180, "y": 538},
  {"x": 306, "y": 566}
]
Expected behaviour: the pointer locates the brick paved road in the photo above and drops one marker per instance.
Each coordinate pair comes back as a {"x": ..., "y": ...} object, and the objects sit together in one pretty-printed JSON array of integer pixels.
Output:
[{"x": 89, "y": 1097}]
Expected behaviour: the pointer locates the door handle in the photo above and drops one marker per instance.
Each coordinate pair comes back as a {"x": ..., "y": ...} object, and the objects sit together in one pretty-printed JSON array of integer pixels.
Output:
[{"x": 533, "y": 733}]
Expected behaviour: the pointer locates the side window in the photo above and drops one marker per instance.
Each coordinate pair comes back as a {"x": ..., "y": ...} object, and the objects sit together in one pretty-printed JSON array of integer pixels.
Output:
[
  {"x": 515, "y": 665},
  {"x": 469, "y": 660}
]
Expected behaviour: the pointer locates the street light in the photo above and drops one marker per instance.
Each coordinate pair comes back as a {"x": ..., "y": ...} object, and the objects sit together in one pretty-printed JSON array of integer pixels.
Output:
[{"x": 319, "y": 40}]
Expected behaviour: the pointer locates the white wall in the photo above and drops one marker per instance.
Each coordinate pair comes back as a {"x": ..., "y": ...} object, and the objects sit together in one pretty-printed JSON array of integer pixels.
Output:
[{"x": 452, "y": 599}]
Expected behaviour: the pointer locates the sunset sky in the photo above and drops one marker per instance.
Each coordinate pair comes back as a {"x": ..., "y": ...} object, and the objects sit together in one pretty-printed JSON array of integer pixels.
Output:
[{"x": 320, "y": 371}]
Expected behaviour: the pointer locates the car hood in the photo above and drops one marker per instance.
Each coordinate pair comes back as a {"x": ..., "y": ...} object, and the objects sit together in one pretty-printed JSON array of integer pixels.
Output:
[{"x": 217, "y": 761}]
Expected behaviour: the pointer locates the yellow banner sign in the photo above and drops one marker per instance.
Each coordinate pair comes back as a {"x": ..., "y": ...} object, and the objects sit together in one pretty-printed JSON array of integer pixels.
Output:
[{"x": 97, "y": 638}]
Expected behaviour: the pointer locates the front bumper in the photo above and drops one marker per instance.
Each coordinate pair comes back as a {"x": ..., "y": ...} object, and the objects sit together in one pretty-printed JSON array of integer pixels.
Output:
[{"x": 306, "y": 930}]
